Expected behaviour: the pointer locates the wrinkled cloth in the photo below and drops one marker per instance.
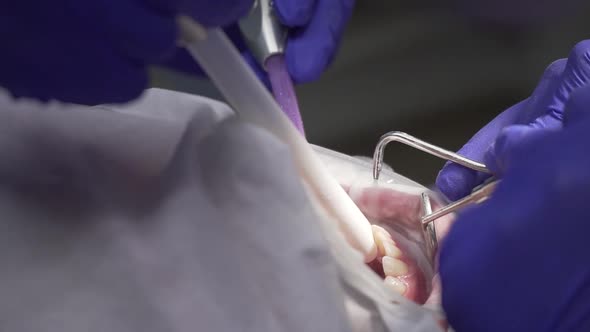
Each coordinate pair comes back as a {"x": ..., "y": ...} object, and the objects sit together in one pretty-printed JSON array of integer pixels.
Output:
[
  {"x": 123, "y": 219},
  {"x": 535, "y": 116},
  {"x": 95, "y": 51},
  {"x": 519, "y": 261}
]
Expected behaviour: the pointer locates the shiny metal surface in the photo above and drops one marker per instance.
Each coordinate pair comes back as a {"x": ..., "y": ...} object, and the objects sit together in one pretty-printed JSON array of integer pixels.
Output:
[
  {"x": 263, "y": 32},
  {"x": 478, "y": 195},
  {"x": 430, "y": 228},
  {"x": 398, "y": 136}
]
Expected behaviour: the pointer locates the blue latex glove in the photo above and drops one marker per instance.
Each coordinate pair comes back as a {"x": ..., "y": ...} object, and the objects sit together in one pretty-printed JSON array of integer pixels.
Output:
[
  {"x": 316, "y": 28},
  {"x": 94, "y": 51},
  {"x": 519, "y": 262},
  {"x": 541, "y": 112}
]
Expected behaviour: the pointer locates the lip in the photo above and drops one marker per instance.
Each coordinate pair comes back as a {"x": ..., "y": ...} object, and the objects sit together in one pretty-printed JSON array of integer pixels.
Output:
[
  {"x": 394, "y": 203},
  {"x": 398, "y": 212}
]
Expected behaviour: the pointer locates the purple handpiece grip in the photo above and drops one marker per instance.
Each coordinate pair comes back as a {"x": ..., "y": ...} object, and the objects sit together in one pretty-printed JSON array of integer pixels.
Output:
[{"x": 283, "y": 90}]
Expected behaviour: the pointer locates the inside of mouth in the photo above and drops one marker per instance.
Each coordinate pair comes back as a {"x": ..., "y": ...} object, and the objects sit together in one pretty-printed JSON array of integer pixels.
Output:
[
  {"x": 393, "y": 205},
  {"x": 402, "y": 261}
]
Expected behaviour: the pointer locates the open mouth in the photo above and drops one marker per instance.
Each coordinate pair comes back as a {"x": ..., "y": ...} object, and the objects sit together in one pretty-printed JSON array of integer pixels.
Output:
[
  {"x": 394, "y": 207},
  {"x": 403, "y": 260}
]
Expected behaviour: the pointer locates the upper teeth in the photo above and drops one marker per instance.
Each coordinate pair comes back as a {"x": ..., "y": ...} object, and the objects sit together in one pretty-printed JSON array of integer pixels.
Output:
[
  {"x": 394, "y": 267},
  {"x": 395, "y": 284},
  {"x": 385, "y": 244}
]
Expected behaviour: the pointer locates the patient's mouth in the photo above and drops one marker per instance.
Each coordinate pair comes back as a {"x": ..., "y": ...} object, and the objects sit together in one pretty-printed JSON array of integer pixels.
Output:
[
  {"x": 399, "y": 271},
  {"x": 402, "y": 259}
]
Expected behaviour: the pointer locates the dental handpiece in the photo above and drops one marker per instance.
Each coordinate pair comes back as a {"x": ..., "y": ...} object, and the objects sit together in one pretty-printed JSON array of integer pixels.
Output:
[
  {"x": 244, "y": 91},
  {"x": 266, "y": 38},
  {"x": 263, "y": 32}
]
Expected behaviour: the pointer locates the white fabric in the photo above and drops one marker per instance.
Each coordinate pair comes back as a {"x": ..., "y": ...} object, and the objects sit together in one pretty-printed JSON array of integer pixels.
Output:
[{"x": 167, "y": 214}]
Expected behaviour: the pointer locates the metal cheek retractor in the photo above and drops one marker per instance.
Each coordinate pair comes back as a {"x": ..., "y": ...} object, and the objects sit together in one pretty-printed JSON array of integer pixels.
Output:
[
  {"x": 429, "y": 229},
  {"x": 478, "y": 195},
  {"x": 263, "y": 32}
]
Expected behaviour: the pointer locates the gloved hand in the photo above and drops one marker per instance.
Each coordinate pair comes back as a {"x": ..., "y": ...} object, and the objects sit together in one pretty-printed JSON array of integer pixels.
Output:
[
  {"x": 316, "y": 29},
  {"x": 519, "y": 261},
  {"x": 95, "y": 51},
  {"x": 536, "y": 115}
]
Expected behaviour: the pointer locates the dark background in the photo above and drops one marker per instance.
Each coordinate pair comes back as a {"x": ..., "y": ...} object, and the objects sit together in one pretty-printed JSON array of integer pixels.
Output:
[{"x": 438, "y": 73}]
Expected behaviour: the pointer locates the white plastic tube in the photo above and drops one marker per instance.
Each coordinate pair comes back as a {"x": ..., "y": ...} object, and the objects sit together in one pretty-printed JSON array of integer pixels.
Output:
[{"x": 247, "y": 95}]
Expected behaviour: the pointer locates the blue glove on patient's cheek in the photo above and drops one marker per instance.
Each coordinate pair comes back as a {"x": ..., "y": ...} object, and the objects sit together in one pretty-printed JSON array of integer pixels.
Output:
[
  {"x": 94, "y": 51},
  {"x": 538, "y": 114}
]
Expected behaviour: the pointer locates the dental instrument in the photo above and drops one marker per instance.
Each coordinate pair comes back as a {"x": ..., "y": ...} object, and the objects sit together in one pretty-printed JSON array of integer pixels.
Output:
[
  {"x": 266, "y": 38},
  {"x": 263, "y": 33},
  {"x": 430, "y": 228},
  {"x": 478, "y": 195},
  {"x": 399, "y": 312},
  {"x": 248, "y": 96},
  {"x": 401, "y": 137}
]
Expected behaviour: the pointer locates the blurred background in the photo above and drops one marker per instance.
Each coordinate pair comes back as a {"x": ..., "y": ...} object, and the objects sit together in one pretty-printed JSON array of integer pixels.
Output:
[{"x": 438, "y": 73}]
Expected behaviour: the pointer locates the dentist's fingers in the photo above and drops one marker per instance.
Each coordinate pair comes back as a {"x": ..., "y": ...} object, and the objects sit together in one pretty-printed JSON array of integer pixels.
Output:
[
  {"x": 575, "y": 75},
  {"x": 456, "y": 181},
  {"x": 498, "y": 157},
  {"x": 295, "y": 13},
  {"x": 310, "y": 49},
  {"x": 578, "y": 106}
]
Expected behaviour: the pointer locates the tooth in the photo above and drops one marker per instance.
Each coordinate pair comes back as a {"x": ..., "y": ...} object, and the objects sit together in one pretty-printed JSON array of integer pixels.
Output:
[
  {"x": 379, "y": 243},
  {"x": 395, "y": 284},
  {"x": 394, "y": 267},
  {"x": 386, "y": 246},
  {"x": 389, "y": 249},
  {"x": 385, "y": 243},
  {"x": 379, "y": 238},
  {"x": 380, "y": 232}
]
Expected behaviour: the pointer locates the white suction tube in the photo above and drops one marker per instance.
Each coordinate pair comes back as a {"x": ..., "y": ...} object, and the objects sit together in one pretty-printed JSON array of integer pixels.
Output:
[{"x": 247, "y": 95}]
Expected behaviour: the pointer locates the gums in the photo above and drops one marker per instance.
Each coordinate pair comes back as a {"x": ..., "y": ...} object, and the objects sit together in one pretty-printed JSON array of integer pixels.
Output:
[{"x": 398, "y": 212}]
